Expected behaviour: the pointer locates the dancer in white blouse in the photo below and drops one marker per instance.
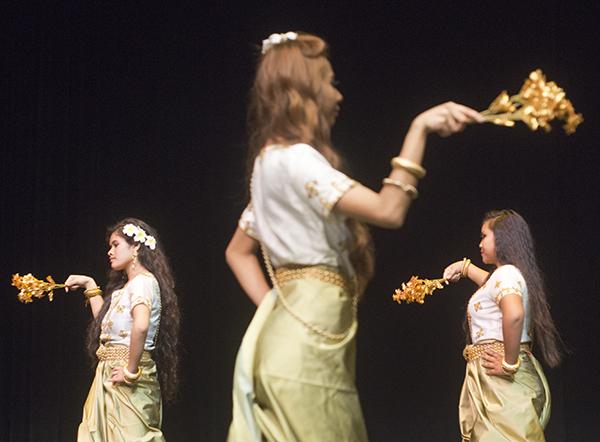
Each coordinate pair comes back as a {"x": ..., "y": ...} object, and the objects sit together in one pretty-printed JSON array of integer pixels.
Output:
[
  {"x": 505, "y": 394},
  {"x": 294, "y": 376},
  {"x": 134, "y": 325}
]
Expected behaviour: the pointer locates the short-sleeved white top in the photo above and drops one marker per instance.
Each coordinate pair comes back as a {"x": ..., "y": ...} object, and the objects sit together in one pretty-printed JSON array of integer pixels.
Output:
[
  {"x": 483, "y": 311},
  {"x": 116, "y": 325},
  {"x": 294, "y": 189}
]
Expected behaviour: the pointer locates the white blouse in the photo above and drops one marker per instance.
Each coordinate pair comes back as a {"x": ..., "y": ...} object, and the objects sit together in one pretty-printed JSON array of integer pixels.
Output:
[
  {"x": 116, "y": 325},
  {"x": 483, "y": 312},
  {"x": 294, "y": 189}
]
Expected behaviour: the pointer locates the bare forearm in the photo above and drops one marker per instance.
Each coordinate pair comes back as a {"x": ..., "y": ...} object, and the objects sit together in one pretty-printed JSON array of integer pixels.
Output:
[
  {"x": 512, "y": 326},
  {"x": 511, "y": 331},
  {"x": 413, "y": 147},
  {"x": 394, "y": 201},
  {"x": 96, "y": 304},
  {"x": 136, "y": 347},
  {"x": 247, "y": 271}
]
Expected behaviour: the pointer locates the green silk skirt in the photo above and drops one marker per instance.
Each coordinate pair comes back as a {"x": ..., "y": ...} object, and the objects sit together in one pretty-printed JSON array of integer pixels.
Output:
[
  {"x": 498, "y": 408},
  {"x": 122, "y": 413},
  {"x": 291, "y": 384}
]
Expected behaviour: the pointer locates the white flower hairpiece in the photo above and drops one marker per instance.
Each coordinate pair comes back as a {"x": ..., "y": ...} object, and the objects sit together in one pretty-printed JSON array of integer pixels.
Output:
[
  {"x": 140, "y": 235},
  {"x": 275, "y": 39}
]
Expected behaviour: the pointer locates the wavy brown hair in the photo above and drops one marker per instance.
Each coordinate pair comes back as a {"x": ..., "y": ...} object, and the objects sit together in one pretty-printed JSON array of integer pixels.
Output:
[
  {"x": 286, "y": 106},
  {"x": 166, "y": 352},
  {"x": 514, "y": 245}
]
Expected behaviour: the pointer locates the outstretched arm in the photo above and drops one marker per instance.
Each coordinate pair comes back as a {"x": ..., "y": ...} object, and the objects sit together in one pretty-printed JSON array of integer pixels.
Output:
[
  {"x": 241, "y": 257},
  {"x": 388, "y": 207}
]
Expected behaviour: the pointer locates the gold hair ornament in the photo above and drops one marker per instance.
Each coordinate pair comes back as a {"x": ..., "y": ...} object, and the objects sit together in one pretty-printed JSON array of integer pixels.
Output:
[
  {"x": 537, "y": 103},
  {"x": 416, "y": 289},
  {"x": 30, "y": 287}
]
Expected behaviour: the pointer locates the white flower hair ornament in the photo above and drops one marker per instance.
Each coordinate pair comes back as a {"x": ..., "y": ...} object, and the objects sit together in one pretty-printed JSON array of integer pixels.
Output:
[
  {"x": 140, "y": 235},
  {"x": 275, "y": 39}
]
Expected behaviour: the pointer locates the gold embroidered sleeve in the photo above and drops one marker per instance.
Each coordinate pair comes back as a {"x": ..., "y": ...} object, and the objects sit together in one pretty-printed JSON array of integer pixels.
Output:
[
  {"x": 316, "y": 181},
  {"x": 508, "y": 291},
  {"x": 140, "y": 299}
]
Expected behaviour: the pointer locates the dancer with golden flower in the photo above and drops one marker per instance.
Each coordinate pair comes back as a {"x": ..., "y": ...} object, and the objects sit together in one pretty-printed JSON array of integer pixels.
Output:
[
  {"x": 294, "y": 376},
  {"x": 137, "y": 359},
  {"x": 505, "y": 395}
]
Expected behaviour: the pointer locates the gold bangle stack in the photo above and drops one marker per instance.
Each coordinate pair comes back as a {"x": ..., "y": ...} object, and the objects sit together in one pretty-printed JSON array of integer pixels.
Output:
[
  {"x": 510, "y": 368},
  {"x": 90, "y": 293},
  {"x": 464, "y": 272},
  {"x": 129, "y": 377},
  {"x": 410, "y": 190},
  {"x": 411, "y": 167}
]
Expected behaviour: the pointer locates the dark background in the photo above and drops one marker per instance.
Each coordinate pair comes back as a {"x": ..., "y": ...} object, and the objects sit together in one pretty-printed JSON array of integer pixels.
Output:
[{"x": 114, "y": 109}]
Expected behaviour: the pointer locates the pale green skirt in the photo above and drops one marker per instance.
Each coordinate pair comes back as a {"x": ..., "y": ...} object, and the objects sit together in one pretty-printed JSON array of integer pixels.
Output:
[
  {"x": 291, "y": 384},
  {"x": 498, "y": 408},
  {"x": 122, "y": 413}
]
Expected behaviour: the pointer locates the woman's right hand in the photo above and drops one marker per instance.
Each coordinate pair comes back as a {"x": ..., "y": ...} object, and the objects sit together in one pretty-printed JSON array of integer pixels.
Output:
[
  {"x": 453, "y": 272},
  {"x": 75, "y": 282},
  {"x": 447, "y": 119}
]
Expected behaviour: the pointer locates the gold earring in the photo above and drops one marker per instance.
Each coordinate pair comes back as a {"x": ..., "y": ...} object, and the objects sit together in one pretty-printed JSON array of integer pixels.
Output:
[{"x": 133, "y": 260}]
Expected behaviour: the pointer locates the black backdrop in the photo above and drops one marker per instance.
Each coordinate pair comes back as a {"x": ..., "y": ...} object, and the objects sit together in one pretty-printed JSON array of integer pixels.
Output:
[{"x": 113, "y": 109}]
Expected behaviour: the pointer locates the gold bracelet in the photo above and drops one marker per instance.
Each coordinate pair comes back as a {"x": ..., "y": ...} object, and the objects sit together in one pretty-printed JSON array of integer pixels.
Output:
[
  {"x": 510, "y": 368},
  {"x": 129, "y": 377},
  {"x": 410, "y": 190},
  {"x": 90, "y": 293},
  {"x": 411, "y": 167},
  {"x": 465, "y": 268}
]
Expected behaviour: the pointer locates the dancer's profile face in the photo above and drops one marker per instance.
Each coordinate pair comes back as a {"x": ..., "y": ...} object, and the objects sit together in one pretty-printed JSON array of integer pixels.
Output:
[
  {"x": 487, "y": 245},
  {"x": 120, "y": 252},
  {"x": 330, "y": 95}
]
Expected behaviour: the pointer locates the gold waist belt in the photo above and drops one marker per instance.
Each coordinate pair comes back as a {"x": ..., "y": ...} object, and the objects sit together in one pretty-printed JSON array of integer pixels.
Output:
[
  {"x": 473, "y": 352},
  {"x": 323, "y": 273},
  {"x": 117, "y": 353}
]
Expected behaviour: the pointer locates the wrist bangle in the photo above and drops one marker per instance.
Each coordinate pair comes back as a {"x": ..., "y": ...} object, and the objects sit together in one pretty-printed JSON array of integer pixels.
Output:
[
  {"x": 411, "y": 167},
  {"x": 465, "y": 268},
  {"x": 90, "y": 293},
  {"x": 129, "y": 377},
  {"x": 410, "y": 190},
  {"x": 510, "y": 368}
]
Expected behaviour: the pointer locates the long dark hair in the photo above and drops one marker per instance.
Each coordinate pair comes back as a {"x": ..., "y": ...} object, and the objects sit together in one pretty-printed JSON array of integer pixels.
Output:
[
  {"x": 286, "y": 105},
  {"x": 514, "y": 245},
  {"x": 166, "y": 352}
]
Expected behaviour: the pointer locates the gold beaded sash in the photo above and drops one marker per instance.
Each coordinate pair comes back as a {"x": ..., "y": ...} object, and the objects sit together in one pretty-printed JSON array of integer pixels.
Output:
[
  {"x": 473, "y": 352},
  {"x": 117, "y": 353},
  {"x": 321, "y": 272}
]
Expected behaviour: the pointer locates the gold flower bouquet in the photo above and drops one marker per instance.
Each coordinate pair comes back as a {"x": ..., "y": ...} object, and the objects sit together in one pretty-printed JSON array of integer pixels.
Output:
[
  {"x": 30, "y": 287},
  {"x": 537, "y": 103},
  {"x": 416, "y": 289}
]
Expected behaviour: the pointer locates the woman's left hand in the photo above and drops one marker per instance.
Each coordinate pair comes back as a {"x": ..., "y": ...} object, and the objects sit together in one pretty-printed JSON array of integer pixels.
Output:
[
  {"x": 492, "y": 362},
  {"x": 117, "y": 376}
]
